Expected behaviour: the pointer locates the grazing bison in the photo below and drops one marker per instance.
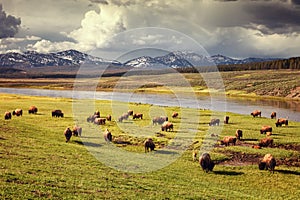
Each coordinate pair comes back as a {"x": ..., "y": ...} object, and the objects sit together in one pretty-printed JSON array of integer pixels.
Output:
[
  {"x": 227, "y": 140},
  {"x": 239, "y": 134},
  {"x": 137, "y": 116},
  {"x": 167, "y": 126},
  {"x": 92, "y": 118},
  {"x": 273, "y": 115},
  {"x": 281, "y": 121},
  {"x": 265, "y": 129},
  {"x": 100, "y": 121},
  {"x": 68, "y": 134},
  {"x": 130, "y": 112},
  {"x": 159, "y": 120},
  {"x": 214, "y": 122},
  {"x": 226, "y": 119},
  {"x": 97, "y": 113},
  {"x": 206, "y": 163},
  {"x": 149, "y": 145},
  {"x": 256, "y": 113},
  {"x": 57, "y": 113},
  {"x": 77, "y": 130},
  {"x": 123, "y": 116},
  {"x": 32, "y": 110},
  {"x": 175, "y": 115},
  {"x": 7, "y": 115},
  {"x": 265, "y": 142},
  {"x": 268, "y": 162},
  {"x": 108, "y": 117},
  {"x": 18, "y": 112},
  {"x": 107, "y": 135}
]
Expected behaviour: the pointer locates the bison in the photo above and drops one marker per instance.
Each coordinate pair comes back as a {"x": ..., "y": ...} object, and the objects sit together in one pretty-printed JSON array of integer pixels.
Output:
[
  {"x": 32, "y": 110},
  {"x": 7, "y": 115},
  {"x": 214, "y": 122},
  {"x": 97, "y": 113},
  {"x": 123, "y": 116},
  {"x": 100, "y": 121},
  {"x": 130, "y": 112},
  {"x": 92, "y": 118},
  {"x": 206, "y": 163},
  {"x": 281, "y": 121},
  {"x": 149, "y": 145},
  {"x": 57, "y": 113},
  {"x": 137, "y": 116},
  {"x": 227, "y": 140},
  {"x": 167, "y": 126},
  {"x": 265, "y": 142},
  {"x": 18, "y": 112},
  {"x": 108, "y": 117},
  {"x": 256, "y": 113},
  {"x": 268, "y": 162},
  {"x": 273, "y": 115},
  {"x": 226, "y": 119},
  {"x": 68, "y": 134},
  {"x": 107, "y": 135},
  {"x": 175, "y": 115},
  {"x": 265, "y": 129},
  {"x": 77, "y": 130},
  {"x": 159, "y": 120},
  {"x": 239, "y": 134}
]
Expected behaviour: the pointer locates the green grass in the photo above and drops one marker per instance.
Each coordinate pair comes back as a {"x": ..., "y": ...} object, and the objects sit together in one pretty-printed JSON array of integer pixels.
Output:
[{"x": 37, "y": 163}]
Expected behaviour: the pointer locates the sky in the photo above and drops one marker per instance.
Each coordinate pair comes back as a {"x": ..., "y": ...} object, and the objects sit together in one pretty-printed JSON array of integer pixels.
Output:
[{"x": 111, "y": 28}]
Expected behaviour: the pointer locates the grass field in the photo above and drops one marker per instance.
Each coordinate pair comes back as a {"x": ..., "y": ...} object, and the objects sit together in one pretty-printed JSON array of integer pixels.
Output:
[{"x": 37, "y": 163}]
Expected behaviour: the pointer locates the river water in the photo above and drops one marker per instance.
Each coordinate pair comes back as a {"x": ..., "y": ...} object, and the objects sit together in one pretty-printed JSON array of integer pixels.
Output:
[{"x": 290, "y": 109}]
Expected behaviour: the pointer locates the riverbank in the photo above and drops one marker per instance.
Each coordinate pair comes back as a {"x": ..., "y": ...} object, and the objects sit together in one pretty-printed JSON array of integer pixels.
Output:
[{"x": 271, "y": 84}]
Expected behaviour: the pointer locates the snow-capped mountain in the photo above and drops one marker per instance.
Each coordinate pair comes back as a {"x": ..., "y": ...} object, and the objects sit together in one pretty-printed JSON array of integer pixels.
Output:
[
  {"x": 75, "y": 58},
  {"x": 63, "y": 58}
]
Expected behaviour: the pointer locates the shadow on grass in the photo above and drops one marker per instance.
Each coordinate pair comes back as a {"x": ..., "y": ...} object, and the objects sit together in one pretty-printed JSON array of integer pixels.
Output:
[
  {"x": 90, "y": 144},
  {"x": 283, "y": 171},
  {"x": 249, "y": 139},
  {"x": 228, "y": 173},
  {"x": 166, "y": 152}
]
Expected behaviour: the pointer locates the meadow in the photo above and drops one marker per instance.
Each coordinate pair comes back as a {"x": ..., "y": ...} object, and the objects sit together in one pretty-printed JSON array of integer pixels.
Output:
[{"x": 37, "y": 163}]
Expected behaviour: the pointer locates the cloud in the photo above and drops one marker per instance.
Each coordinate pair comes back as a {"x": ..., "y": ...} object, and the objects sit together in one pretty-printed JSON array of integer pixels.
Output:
[{"x": 9, "y": 25}]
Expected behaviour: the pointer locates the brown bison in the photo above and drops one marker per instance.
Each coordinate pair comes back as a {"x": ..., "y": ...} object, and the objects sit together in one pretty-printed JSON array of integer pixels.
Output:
[
  {"x": 7, "y": 115},
  {"x": 130, "y": 112},
  {"x": 206, "y": 163},
  {"x": 265, "y": 142},
  {"x": 18, "y": 112},
  {"x": 97, "y": 113},
  {"x": 256, "y": 113},
  {"x": 239, "y": 134},
  {"x": 227, "y": 140},
  {"x": 159, "y": 120},
  {"x": 273, "y": 115},
  {"x": 137, "y": 116},
  {"x": 214, "y": 122},
  {"x": 92, "y": 118},
  {"x": 107, "y": 135},
  {"x": 108, "y": 117},
  {"x": 32, "y": 110},
  {"x": 167, "y": 126},
  {"x": 68, "y": 134},
  {"x": 57, "y": 113},
  {"x": 175, "y": 115},
  {"x": 226, "y": 119},
  {"x": 77, "y": 130},
  {"x": 281, "y": 121},
  {"x": 100, "y": 121},
  {"x": 123, "y": 116},
  {"x": 265, "y": 129},
  {"x": 149, "y": 145},
  {"x": 268, "y": 162}
]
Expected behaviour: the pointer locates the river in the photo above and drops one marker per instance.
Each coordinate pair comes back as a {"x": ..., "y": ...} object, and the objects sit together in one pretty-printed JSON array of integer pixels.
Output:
[{"x": 290, "y": 109}]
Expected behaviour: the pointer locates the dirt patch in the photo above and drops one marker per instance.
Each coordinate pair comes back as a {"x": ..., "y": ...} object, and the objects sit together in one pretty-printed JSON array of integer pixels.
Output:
[
  {"x": 293, "y": 147},
  {"x": 239, "y": 159}
]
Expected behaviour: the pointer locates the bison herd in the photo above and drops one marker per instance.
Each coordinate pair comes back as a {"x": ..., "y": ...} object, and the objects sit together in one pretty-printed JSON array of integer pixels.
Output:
[{"x": 205, "y": 161}]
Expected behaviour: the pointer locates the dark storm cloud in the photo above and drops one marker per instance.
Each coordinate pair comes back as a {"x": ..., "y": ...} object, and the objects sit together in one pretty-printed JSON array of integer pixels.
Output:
[
  {"x": 275, "y": 17},
  {"x": 8, "y": 24}
]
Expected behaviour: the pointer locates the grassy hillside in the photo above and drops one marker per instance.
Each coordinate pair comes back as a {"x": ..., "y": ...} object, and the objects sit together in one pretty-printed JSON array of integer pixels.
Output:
[{"x": 37, "y": 163}]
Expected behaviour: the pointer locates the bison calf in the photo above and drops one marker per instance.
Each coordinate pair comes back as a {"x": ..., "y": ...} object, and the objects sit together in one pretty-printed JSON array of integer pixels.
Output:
[
  {"x": 206, "y": 163},
  {"x": 265, "y": 142},
  {"x": 175, "y": 115}
]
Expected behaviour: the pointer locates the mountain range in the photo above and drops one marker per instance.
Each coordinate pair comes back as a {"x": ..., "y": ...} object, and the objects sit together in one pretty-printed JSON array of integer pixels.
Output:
[{"x": 175, "y": 59}]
